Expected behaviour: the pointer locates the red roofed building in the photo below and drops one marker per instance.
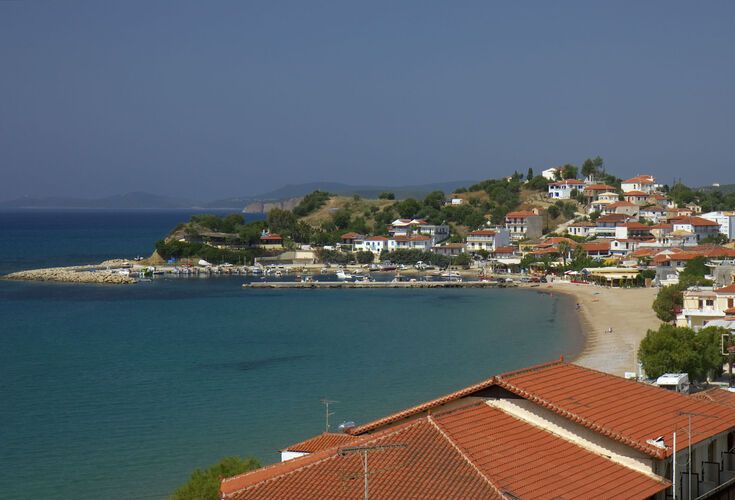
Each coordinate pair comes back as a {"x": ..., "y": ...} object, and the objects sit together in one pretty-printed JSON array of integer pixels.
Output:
[
  {"x": 272, "y": 240},
  {"x": 637, "y": 197},
  {"x": 621, "y": 207},
  {"x": 593, "y": 191},
  {"x": 524, "y": 224},
  {"x": 562, "y": 190},
  {"x": 645, "y": 183},
  {"x": 555, "y": 430},
  {"x": 487, "y": 239},
  {"x": 700, "y": 226}
]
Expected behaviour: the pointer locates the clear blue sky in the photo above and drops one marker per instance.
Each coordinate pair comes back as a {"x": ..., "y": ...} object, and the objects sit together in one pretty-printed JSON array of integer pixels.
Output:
[{"x": 211, "y": 99}]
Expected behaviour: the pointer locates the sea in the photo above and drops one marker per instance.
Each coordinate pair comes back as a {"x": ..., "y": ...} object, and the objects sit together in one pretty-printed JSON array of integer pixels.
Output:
[{"x": 120, "y": 391}]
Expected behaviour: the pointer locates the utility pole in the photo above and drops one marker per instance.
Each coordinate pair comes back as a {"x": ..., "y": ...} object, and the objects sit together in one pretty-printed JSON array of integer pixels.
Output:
[
  {"x": 326, "y": 402},
  {"x": 364, "y": 451}
]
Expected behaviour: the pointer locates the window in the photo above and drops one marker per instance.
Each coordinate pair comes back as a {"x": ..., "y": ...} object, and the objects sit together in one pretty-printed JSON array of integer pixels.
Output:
[{"x": 710, "y": 302}]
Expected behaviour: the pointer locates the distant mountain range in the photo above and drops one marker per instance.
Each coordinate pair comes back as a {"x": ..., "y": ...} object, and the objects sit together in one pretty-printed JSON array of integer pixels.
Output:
[{"x": 142, "y": 200}]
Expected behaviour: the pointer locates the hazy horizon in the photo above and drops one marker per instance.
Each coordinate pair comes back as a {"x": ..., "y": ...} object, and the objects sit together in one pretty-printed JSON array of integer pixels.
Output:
[{"x": 215, "y": 100}]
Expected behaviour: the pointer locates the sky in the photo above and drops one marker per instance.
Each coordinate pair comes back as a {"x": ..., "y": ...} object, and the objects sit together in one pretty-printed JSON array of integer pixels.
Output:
[{"x": 214, "y": 99}]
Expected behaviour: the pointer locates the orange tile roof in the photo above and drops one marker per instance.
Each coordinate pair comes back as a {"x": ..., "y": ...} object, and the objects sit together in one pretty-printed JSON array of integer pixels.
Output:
[
  {"x": 469, "y": 452},
  {"x": 635, "y": 193},
  {"x": 596, "y": 246},
  {"x": 526, "y": 461},
  {"x": 428, "y": 466},
  {"x": 635, "y": 225},
  {"x": 717, "y": 395},
  {"x": 506, "y": 249},
  {"x": 376, "y": 238},
  {"x": 623, "y": 410},
  {"x": 483, "y": 232},
  {"x": 323, "y": 441},
  {"x": 271, "y": 237},
  {"x": 640, "y": 179},
  {"x": 351, "y": 236},
  {"x": 599, "y": 187},
  {"x": 520, "y": 214},
  {"x": 726, "y": 289},
  {"x": 694, "y": 221},
  {"x": 621, "y": 204}
]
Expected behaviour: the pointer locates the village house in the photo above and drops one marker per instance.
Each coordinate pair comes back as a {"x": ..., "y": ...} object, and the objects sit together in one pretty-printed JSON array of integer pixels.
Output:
[
  {"x": 449, "y": 249},
  {"x": 375, "y": 244},
  {"x": 555, "y": 430},
  {"x": 726, "y": 220},
  {"x": 637, "y": 197},
  {"x": 524, "y": 224},
  {"x": 550, "y": 174},
  {"x": 645, "y": 183},
  {"x": 606, "y": 225},
  {"x": 271, "y": 241},
  {"x": 622, "y": 207},
  {"x": 413, "y": 242},
  {"x": 562, "y": 190},
  {"x": 621, "y": 247},
  {"x": 487, "y": 239},
  {"x": 654, "y": 213},
  {"x": 351, "y": 239},
  {"x": 701, "y": 227},
  {"x": 674, "y": 212},
  {"x": 408, "y": 227},
  {"x": 633, "y": 230},
  {"x": 581, "y": 228},
  {"x": 705, "y": 304},
  {"x": 593, "y": 191},
  {"x": 597, "y": 249}
]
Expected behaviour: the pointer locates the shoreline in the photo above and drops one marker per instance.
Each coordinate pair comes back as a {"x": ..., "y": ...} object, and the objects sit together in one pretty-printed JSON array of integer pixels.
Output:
[{"x": 626, "y": 310}]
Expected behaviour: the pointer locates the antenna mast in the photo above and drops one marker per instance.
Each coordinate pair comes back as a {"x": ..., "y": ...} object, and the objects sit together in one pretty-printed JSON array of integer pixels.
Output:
[
  {"x": 364, "y": 451},
  {"x": 326, "y": 402}
]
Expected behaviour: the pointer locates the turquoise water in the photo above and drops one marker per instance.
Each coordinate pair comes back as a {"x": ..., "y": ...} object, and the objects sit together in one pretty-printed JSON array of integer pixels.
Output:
[{"x": 118, "y": 392}]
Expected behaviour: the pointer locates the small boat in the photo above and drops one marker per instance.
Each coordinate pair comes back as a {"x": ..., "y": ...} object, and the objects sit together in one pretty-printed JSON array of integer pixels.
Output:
[{"x": 341, "y": 274}]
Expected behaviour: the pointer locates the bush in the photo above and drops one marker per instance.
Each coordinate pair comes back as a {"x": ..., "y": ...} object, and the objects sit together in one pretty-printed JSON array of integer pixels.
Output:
[
  {"x": 411, "y": 257},
  {"x": 386, "y": 196},
  {"x": 364, "y": 257},
  {"x": 204, "y": 483}
]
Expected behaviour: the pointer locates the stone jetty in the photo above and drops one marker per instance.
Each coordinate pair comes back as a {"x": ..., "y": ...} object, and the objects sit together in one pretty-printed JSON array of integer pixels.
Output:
[{"x": 73, "y": 274}]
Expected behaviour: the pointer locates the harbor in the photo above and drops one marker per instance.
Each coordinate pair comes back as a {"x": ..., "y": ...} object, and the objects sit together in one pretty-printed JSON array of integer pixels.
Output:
[{"x": 375, "y": 284}]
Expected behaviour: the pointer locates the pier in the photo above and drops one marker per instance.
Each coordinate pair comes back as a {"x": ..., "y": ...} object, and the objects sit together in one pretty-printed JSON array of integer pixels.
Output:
[{"x": 376, "y": 284}]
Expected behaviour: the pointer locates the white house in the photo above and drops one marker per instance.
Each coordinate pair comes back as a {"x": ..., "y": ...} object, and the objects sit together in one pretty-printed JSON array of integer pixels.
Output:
[
  {"x": 637, "y": 197},
  {"x": 550, "y": 173},
  {"x": 524, "y": 224},
  {"x": 582, "y": 228},
  {"x": 375, "y": 244},
  {"x": 726, "y": 220},
  {"x": 645, "y": 183},
  {"x": 700, "y": 226},
  {"x": 414, "y": 242},
  {"x": 408, "y": 227},
  {"x": 487, "y": 239},
  {"x": 563, "y": 189}
]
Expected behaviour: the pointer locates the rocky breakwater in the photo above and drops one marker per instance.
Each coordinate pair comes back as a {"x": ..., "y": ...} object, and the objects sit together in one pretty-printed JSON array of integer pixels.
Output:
[{"x": 75, "y": 274}]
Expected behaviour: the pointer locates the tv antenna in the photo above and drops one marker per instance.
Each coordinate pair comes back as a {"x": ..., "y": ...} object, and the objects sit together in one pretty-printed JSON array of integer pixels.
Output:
[
  {"x": 365, "y": 451},
  {"x": 326, "y": 402}
]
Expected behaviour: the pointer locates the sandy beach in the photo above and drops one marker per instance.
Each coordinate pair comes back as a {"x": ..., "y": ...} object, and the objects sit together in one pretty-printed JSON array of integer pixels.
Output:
[{"x": 626, "y": 310}]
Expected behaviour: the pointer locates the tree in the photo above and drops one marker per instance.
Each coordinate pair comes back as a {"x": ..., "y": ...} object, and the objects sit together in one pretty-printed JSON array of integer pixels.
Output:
[
  {"x": 529, "y": 175},
  {"x": 569, "y": 171},
  {"x": 408, "y": 207},
  {"x": 667, "y": 299},
  {"x": 204, "y": 483},
  {"x": 672, "y": 349},
  {"x": 693, "y": 273},
  {"x": 435, "y": 199},
  {"x": 310, "y": 203},
  {"x": 281, "y": 221},
  {"x": 341, "y": 219},
  {"x": 364, "y": 257},
  {"x": 386, "y": 196},
  {"x": 714, "y": 239},
  {"x": 588, "y": 168},
  {"x": 462, "y": 260},
  {"x": 554, "y": 211}
]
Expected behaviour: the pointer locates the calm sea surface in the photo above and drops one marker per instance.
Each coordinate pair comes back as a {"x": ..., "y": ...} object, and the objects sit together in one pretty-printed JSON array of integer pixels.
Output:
[{"x": 119, "y": 392}]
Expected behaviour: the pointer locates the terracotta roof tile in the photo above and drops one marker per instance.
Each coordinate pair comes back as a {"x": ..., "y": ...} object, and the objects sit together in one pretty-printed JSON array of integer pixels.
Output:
[
  {"x": 323, "y": 441},
  {"x": 520, "y": 214},
  {"x": 428, "y": 466},
  {"x": 483, "y": 232},
  {"x": 495, "y": 442},
  {"x": 640, "y": 179},
  {"x": 623, "y": 410},
  {"x": 726, "y": 289}
]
